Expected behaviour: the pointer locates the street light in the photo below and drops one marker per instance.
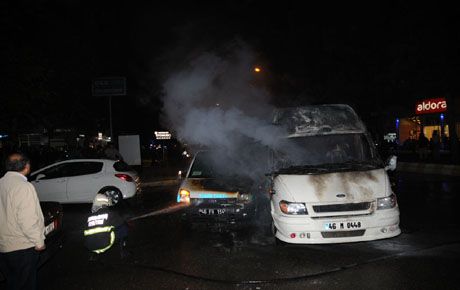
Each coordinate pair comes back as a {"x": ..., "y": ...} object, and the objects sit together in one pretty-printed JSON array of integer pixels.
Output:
[{"x": 257, "y": 69}]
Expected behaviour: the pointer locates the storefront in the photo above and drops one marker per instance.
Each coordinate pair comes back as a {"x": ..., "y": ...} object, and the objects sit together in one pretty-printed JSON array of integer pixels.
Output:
[{"x": 431, "y": 117}]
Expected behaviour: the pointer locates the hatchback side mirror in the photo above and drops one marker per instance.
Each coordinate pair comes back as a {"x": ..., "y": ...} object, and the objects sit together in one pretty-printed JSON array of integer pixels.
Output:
[{"x": 391, "y": 163}]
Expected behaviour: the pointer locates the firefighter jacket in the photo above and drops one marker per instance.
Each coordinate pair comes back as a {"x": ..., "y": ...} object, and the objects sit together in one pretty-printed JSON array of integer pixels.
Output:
[{"x": 100, "y": 230}]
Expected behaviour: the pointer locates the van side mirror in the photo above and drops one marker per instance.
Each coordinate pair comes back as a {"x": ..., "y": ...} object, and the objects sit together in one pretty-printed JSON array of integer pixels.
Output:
[{"x": 391, "y": 162}]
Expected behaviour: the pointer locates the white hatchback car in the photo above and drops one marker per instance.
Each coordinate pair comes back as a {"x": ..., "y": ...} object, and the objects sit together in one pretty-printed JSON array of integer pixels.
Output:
[{"x": 79, "y": 180}]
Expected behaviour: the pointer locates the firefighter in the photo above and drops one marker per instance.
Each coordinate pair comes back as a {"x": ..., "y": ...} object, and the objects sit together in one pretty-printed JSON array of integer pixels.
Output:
[{"x": 104, "y": 228}]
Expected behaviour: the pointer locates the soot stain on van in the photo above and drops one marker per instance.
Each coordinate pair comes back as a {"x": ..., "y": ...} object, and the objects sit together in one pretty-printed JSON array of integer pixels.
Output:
[
  {"x": 360, "y": 181},
  {"x": 361, "y": 176},
  {"x": 319, "y": 182}
]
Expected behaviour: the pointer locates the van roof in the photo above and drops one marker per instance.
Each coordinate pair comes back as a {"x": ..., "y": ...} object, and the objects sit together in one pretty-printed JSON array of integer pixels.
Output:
[{"x": 319, "y": 120}]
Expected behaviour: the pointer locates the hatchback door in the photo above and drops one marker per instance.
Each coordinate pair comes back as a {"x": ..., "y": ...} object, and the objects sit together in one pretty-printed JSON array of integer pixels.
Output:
[
  {"x": 85, "y": 181},
  {"x": 51, "y": 183}
]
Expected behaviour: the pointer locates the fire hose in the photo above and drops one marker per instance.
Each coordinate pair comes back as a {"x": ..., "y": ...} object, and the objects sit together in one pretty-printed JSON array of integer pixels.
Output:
[
  {"x": 283, "y": 279},
  {"x": 169, "y": 209},
  {"x": 176, "y": 207}
]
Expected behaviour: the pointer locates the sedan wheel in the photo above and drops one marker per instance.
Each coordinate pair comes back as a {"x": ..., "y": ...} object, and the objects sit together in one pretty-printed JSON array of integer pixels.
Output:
[{"x": 273, "y": 228}]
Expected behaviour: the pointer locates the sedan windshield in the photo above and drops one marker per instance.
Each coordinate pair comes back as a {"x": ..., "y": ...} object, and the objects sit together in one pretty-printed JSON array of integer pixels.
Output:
[
  {"x": 212, "y": 164},
  {"x": 202, "y": 166}
]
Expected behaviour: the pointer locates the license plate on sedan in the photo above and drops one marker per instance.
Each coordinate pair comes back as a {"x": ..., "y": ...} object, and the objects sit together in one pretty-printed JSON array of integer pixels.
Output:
[
  {"x": 211, "y": 211},
  {"x": 49, "y": 228},
  {"x": 342, "y": 226}
]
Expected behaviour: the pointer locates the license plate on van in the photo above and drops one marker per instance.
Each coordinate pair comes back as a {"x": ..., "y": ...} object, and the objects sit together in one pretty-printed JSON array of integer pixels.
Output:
[
  {"x": 211, "y": 211},
  {"x": 342, "y": 226}
]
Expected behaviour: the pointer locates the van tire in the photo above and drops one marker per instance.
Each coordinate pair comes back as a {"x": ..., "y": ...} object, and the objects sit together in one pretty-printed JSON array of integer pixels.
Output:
[{"x": 278, "y": 242}]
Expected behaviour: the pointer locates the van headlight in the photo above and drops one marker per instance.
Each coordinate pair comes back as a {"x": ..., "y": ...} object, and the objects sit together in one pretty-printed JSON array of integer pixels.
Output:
[
  {"x": 293, "y": 207},
  {"x": 387, "y": 202}
]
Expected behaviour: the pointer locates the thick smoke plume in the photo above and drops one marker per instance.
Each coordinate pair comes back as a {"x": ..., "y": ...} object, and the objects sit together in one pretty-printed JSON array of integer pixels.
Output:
[{"x": 217, "y": 102}]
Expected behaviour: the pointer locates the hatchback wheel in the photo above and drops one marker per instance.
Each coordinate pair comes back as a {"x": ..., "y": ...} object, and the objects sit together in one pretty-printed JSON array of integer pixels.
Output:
[{"x": 113, "y": 193}]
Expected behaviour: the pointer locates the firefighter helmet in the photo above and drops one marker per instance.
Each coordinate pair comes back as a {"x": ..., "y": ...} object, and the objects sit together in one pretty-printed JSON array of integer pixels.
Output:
[{"x": 100, "y": 201}]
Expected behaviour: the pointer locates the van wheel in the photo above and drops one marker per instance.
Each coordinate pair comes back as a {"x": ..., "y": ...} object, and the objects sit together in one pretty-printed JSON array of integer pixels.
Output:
[
  {"x": 278, "y": 242},
  {"x": 113, "y": 193}
]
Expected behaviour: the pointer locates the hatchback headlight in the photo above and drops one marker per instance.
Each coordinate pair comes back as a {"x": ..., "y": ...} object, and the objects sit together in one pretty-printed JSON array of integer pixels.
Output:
[
  {"x": 387, "y": 202},
  {"x": 293, "y": 207}
]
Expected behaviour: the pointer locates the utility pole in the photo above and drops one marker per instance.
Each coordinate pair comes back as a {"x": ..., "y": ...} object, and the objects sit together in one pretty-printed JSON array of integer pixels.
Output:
[
  {"x": 110, "y": 118},
  {"x": 109, "y": 86}
]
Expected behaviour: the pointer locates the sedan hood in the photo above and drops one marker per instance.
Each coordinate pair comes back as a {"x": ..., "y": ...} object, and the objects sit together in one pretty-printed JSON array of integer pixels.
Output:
[
  {"x": 218, "y": 185},
  {"x": 354, "y": 186}
]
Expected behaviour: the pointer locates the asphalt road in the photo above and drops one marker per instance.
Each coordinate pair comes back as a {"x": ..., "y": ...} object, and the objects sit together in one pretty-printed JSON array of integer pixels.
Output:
[{"x": 167, "y": 255}]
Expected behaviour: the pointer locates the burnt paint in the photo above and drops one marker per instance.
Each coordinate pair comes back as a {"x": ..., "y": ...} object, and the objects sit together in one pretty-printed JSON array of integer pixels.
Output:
[
  {"x": 195, "y": 184},
  {"x": 319, "y": 182},
  {"x": 355, "y": 184},
  {"x": 224, "y": 185},
  {"x": 360, "y": 181},
  {"x": 231, "y": 184}
]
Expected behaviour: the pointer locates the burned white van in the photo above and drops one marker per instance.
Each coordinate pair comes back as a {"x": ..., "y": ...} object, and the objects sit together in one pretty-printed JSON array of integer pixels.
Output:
[{"x": 328, "y": 184}]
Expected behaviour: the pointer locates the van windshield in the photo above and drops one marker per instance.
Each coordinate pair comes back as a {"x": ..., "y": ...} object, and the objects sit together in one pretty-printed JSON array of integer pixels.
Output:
[{"x": 325, "y": 150}]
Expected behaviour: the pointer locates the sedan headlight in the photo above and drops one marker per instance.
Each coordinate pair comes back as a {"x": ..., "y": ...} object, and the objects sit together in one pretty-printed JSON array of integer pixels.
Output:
[
  {"x": 293, "y": 207},
  {"x": 183, "y": 196},
  {"x": 244, "y": 197},
  {"x": 387, "y": 202}
]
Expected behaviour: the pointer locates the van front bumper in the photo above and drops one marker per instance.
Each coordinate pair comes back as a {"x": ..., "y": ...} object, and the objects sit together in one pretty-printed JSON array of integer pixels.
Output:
[{"x": 299, "y": 229}]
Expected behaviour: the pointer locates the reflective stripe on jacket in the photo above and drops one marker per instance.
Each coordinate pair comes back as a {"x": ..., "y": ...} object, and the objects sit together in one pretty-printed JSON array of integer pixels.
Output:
[{"x": 99, "y": 239}]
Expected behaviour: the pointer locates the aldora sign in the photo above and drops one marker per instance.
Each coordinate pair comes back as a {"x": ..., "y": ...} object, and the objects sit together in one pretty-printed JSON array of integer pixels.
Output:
[{"x": 429, "y": 106}]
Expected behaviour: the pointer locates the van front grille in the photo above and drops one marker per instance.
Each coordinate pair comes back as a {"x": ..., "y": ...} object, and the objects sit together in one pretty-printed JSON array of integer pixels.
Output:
[
  {"x": 342, "y": 207},
  {"x": 343, "y": 234}
]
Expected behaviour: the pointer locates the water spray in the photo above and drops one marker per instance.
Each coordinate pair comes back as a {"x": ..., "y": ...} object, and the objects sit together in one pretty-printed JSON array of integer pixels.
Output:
[{"x": 169, "y": 209}]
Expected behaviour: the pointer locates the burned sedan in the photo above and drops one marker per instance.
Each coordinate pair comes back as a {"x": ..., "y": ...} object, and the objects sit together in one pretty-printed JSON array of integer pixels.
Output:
[
  {"x": 52, "y": 214},
  {"x": 215, "y": 197}
]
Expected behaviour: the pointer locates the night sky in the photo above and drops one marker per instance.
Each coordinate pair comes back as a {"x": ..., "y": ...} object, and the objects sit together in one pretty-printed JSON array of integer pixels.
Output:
[{"x": 379, "y": 57}]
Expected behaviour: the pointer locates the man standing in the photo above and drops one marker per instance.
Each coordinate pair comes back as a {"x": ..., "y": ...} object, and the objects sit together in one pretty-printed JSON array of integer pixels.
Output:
[
  {"x": 22, "y": 226},
  {"x": 423, "y": 146}
]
